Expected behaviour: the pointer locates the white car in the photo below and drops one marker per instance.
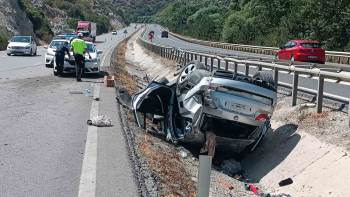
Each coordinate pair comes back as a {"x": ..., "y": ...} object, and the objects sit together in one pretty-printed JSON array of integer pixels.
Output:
[
  {"x": 114, "y": 33},
  {"x": 51, "y": 50},
  {"x": 92, "y": 66},
  {"x": 22, "y": 45}
]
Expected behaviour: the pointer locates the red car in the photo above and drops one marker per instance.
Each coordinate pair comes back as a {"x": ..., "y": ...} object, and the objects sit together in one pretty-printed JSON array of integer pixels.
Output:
[{"x": 302, "y": 51}]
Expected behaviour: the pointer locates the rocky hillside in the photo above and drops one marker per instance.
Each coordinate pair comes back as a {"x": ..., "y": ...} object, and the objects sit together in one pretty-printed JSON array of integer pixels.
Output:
[{"x": 45, "y": 18}]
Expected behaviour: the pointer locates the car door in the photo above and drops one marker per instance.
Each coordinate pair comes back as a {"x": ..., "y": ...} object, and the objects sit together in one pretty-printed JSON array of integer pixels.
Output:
[{"x": 157, "y": 99}]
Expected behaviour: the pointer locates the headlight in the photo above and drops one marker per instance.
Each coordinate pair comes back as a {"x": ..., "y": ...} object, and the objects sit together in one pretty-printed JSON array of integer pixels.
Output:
[
  {"x": 27, "y": 47},
  {"x": 9, "y": 47}
]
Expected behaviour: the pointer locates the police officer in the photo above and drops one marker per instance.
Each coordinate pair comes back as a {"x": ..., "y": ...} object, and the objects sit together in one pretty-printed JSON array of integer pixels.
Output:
[
  {"x": 79, "y": 48},
  {"x": 61, "y": 51}
]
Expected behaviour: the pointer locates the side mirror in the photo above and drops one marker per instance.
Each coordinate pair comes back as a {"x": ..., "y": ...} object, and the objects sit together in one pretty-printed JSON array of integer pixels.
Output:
[{"x": 99, "y": 51}]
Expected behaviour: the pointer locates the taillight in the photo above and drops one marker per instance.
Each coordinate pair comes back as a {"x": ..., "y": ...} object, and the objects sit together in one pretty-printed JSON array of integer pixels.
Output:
[{"x": 261, "y": 117}]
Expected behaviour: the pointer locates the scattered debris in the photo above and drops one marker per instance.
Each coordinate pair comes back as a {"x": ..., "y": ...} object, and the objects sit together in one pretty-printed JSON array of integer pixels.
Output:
[
  {"x": 97, "y": 99},
  {"x": 183, "y": 154},
  {"x": 87, "y": 92},
  {"x": 100, "y": 121},
  {"x": 285, "y": 182},
  {"x": 109, "y": 81}
]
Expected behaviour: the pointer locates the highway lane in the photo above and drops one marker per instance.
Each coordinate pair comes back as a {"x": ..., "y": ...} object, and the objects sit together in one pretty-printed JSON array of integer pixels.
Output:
[
  {"x": 43, "y": 127},
  {"x": 340, "y": 89}
]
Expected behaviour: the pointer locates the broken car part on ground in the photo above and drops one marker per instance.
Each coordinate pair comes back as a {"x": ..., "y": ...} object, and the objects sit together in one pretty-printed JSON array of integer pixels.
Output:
[{"x": 210, "y": 107}]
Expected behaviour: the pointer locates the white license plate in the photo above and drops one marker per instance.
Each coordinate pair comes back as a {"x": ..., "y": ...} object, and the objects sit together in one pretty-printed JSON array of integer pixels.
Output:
[
  {"x": 236, "y": 107},
  {"x": 313, "y": 57}
]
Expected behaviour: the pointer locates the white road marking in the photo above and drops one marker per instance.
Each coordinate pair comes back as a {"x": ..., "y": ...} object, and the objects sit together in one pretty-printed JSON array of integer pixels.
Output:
[{"x": 87, "y": 186}]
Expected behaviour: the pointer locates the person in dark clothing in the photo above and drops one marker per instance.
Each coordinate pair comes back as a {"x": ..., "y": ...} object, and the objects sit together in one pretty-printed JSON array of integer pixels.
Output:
[{"x": 60, "y": 54}]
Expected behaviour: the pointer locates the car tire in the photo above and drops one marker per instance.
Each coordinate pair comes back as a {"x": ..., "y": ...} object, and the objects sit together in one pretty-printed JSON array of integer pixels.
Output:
[
  {"x": 266, "y": 77},
  {"x": 9, "y": 54},
  {"x": 186, "y": 71}
]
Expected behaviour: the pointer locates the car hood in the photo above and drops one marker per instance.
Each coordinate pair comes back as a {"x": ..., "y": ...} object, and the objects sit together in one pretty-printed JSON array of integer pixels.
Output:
[
  {"x": 93, "y": 55},
  {"x": 51, "y": 51},
  {"x": 18, "y": 44}
]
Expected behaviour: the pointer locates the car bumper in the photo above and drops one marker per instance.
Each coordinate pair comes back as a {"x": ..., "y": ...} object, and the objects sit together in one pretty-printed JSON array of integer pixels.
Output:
[
  {"x": 90, "y": 68},
  {"x": 310, "y": 58},
  {"x": 19, "y": 51}
]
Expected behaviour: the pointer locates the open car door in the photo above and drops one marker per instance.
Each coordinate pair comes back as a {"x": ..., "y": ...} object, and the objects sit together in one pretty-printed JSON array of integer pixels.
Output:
[{"x": 156, "y": 100}]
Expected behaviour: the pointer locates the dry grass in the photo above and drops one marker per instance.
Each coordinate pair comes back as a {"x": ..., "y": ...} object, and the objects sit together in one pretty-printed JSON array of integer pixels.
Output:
[
  {"x": 170, "y": 169},
  {"x": 120, "y": 72}
]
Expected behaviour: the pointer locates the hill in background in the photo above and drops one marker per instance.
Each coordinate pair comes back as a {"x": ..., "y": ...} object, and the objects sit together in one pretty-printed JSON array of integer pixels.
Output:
[{"x": 261, "y": 22}]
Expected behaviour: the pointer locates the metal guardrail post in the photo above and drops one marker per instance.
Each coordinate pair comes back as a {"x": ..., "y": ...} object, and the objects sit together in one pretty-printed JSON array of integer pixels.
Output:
[
  {"x": 184, "y": 58},
  {"x": 236, "y": 67},
  {"x": 191, "y": 56},
  {"x": 320, "y": 93},
  {"x": 204, "y": 172},
  {"x": 246, "y": 69},
  {"x": 219, "y": 63},
  {"x": 195, "y": 57},
  {"x": 259, "y": 68},
  {"x": 162, "y": 51},
  {"x": 226, "y": 65},
  {"x": 200, "y": 58},
  {"x": 206, "y": 61},
  {"x": 295, "y": 88},
  {"x": 275, "y": 78},
  {"x": 211, "y": 64}
]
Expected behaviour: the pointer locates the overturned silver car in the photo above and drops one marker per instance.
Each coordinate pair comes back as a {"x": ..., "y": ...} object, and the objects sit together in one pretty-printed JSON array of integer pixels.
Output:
[{"x": 233, "y": 107}]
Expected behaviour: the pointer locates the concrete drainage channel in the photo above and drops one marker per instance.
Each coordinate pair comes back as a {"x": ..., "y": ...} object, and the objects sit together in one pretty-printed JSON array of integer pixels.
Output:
[{"x": 288, "y": 152}]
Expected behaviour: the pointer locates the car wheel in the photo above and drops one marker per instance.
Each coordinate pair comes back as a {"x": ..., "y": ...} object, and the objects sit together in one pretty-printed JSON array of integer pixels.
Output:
[
  {"x": 188, "y": 69},
  {"x": 9, "y": 54}
]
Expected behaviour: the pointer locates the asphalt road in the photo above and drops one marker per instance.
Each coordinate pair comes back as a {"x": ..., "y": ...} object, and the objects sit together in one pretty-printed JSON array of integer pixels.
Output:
[
  {"x": 339, "y": 89},
  {"x": 43, "y": 130}
]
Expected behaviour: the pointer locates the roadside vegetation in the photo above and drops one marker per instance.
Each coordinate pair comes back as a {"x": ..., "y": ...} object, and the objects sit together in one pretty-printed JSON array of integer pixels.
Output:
[
  {"x": 4, "y": 37},
  {"x": 261, "y": 22},
  {"x": 40, "y": 22}
]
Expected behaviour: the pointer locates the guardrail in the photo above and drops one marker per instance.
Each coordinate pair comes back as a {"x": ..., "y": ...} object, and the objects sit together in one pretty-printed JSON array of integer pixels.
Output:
[
  {"x": 331, "y": 56},
  {"x": 229, "y": 63}
]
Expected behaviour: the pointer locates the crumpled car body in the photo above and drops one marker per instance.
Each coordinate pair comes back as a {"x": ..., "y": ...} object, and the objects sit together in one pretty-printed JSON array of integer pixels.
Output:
[{"x": 236, "y": 108}]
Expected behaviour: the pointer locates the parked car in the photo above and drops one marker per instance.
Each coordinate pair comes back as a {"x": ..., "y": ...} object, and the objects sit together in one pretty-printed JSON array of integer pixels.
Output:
[
  {"x": 235, "y": 107},
  {"x": 92, "y": 66},
  {"x": 51, "y": 50},
  {"x": 302, "y": 51},
  {"x": 114, "y": 33},
  {"x": 22, "y": 45}
]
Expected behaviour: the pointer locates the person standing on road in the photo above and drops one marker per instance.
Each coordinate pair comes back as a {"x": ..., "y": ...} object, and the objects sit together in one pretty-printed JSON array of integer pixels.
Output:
[
  {"x": 79, "y": 48},
  {"x": 61, "y": 51}
]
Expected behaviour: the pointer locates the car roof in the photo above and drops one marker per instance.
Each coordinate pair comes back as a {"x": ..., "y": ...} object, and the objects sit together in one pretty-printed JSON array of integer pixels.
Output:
[{"x": 306, "y": 41}]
